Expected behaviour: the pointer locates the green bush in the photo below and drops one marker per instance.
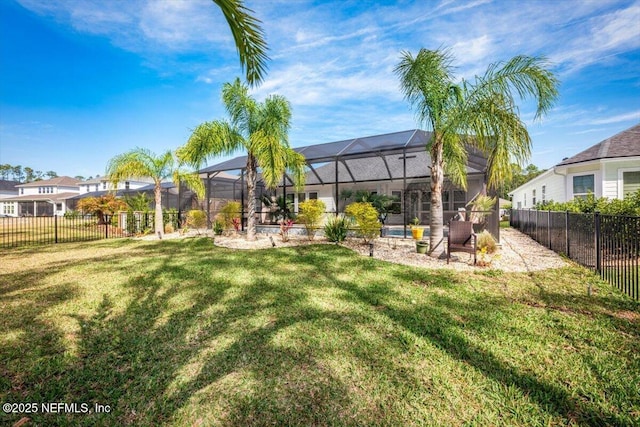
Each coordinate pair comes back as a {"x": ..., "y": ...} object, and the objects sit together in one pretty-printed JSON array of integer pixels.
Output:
[
  {"x": 311, "y": 211},
  {"x": 230, "y": 213},
  {"x": 366, "y": 218},
  {"x": 197, "y": 219},
  {"x": 336, "y": 228},
  {"x": 218, "y": 228},
  {"x": 630, "y": 205},
  {"x": 486, "y": 243}
]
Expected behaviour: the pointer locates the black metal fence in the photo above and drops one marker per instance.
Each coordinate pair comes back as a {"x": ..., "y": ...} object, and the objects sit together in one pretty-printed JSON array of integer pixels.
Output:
[
  {"x": 42, "y": 230},
  {"x": 608, "y": 244}
]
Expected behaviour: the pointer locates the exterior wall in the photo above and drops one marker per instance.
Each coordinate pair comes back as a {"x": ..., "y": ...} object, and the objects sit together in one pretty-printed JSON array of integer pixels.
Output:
[
  {"x": 590, "y": 169},
  {"x": 613, "y": 175},
  {"x": 522, "y": 197},
  {"x": 93, "y": 185},
  {"x": 8, "y": 208},
  {"x": 607, "y": 174}
]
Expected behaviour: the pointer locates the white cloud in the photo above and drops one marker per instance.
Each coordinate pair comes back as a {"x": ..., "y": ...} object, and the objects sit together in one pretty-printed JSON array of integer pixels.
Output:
[{"x": 625, "y": 117}]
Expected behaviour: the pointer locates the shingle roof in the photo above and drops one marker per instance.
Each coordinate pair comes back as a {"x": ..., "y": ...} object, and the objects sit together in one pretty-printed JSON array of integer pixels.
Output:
[
  {"x": 41, "y": 197},
  {"x": 66, "y": 181},
  {"x": 6, "y": 185},
  {"x": 623, "y": 144}
]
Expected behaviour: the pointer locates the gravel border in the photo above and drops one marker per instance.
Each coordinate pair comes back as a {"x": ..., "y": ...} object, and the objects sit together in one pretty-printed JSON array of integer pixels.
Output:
[{"x": 518, "y": 252}]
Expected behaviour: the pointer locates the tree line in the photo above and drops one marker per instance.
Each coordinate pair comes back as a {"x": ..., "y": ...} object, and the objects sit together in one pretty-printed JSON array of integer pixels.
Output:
[{"x": 26, "y": 174}]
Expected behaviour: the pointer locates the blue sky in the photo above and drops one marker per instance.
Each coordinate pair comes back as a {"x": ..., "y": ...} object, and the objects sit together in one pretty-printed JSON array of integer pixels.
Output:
[{"x": 82, "y": 81}]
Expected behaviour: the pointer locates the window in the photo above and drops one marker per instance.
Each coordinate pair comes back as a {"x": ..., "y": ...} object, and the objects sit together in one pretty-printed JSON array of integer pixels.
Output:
[
  {"x": 22, "y": 191},
  {"x": 126, "y": 185},
  {"x": 426, "y": 201},
  {"x": 104, "y": 185},
  {"x": 544, "y": 193},
  {"x": 524, "y": 198},
  {"x": 58, "y": 206},
  {"x": 630, "y": 183},
  {"x": 96, "y": 187},
  {"x": 533, "y": 197},
  {"x": 290, "y": 198},
  {"x": 519, "y": 205},
  {"x": 301, "y": 197},
  {"x": 397, "y": 202},
  {"x": 313, "y": 196},
  {"x": 8, "y": 209},
  {"x": 39, "y": 190},
  {"x": 459, "y": 199},
  {"x": 583, "y": 185}
]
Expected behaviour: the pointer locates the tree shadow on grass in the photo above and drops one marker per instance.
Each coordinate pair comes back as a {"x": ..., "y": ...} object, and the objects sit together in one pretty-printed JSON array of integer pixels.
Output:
[
  {"x": 188, "y": 331},
  {"x": 447, "y": 322}
]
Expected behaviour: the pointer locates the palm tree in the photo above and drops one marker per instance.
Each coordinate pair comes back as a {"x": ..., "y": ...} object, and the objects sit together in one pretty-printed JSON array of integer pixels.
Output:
[
  {"x": 248, "y": 36},
  {"x": 140, "y": 162},
  {"x": 481, "y": 114},
  {"x": 259, "y": 128}
]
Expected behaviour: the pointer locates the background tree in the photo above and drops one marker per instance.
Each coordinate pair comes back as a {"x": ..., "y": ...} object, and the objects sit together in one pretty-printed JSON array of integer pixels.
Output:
[
  {"x": 51, "y": 174},
  {"x": 101, "y": 206},
  {"x": 140, "y": 162},
  {"x": 481, "y": 114},
  {"x": 518, "y": 177},
  {"x": 259, "y": 128},
  {"x": 248, "y": 36}
]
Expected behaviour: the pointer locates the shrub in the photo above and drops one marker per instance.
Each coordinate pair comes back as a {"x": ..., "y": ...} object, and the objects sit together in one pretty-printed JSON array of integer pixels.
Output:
[
  {"x": 486, "y": 243},
  {"x": 168, "y": 228},
  {"x": 101, "y": 206},
  {"x": 336, "y": 228},
  {"x": 366, "y": 218},
  {"x": 139, "y": 203},
  {"x": 218, "y": 227},
  {"x": 311, "y": 212},
  {"x": 230, "y": 213},
  {"x": 197, "y": 219}
]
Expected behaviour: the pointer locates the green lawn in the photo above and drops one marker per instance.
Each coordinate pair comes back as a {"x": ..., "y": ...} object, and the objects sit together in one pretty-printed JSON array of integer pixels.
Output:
[{"x": 183, "y": 333}]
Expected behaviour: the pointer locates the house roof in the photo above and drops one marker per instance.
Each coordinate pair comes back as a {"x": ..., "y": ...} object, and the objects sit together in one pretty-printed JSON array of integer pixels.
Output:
[
  {"x": 41, "y": 197},
  {"x": 378, "y": 157},
  {"x": 66, "y": 181},
  {"x": 6, "y": 185},
  {"x": 623, "y": 144}
]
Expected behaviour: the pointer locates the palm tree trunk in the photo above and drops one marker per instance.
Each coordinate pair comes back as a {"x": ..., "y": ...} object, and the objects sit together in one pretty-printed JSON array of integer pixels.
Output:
[
  {"x": 436, "y": 230},
  {"x": 158, "y": 224},
  {"x": 251, "y": 195}
]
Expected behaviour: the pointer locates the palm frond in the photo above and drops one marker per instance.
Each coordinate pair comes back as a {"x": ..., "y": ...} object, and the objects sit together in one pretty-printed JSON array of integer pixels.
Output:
[
  {"x": 210, "y": 139},
  {"x": 271, "y": 156},
  {"x": 191, "y": 179},
  {"x": 249, "y": 38},
  {"x": 528, "y": 76}
]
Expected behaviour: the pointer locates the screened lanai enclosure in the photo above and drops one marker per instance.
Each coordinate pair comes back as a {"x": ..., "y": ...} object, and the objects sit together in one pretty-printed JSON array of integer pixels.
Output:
[{"x": 395, "y": 164}]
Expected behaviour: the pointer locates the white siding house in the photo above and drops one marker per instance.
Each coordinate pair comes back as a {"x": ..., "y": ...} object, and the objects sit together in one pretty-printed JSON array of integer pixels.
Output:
[
  {"x": 609, "y": 169},
  {"x": 103, "y": 184},
  {"x": 8, "y": 190},
  {"x": 47, "y": 197}
]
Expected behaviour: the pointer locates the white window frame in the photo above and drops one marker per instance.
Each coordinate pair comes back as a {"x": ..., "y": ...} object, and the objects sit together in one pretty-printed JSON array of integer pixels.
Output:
[
  {"x": 621, "y": 172},
  {"x": 595, "y": 184}
]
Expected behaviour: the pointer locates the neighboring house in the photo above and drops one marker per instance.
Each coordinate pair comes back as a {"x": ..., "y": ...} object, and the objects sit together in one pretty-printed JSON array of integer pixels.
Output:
[
  {"x": 104, "y": 184},
  {"x": 8, "y": 189},
  {"x": 46, "y": 197},
  {"x": 609, "y": 169}
]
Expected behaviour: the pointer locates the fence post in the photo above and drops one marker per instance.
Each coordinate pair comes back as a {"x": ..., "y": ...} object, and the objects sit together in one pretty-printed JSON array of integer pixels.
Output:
[
  {"x": 566, "y": 232},
  {"x": 107, "y": 220},
  {"x": 596, "y": 218},
  {"x": 549, "y": 227},
  {"x": 55, "y": 227}
]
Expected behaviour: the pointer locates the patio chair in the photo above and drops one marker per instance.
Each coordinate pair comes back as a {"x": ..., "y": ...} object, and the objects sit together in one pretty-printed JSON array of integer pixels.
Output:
[{"x": 461, "y": 239}]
